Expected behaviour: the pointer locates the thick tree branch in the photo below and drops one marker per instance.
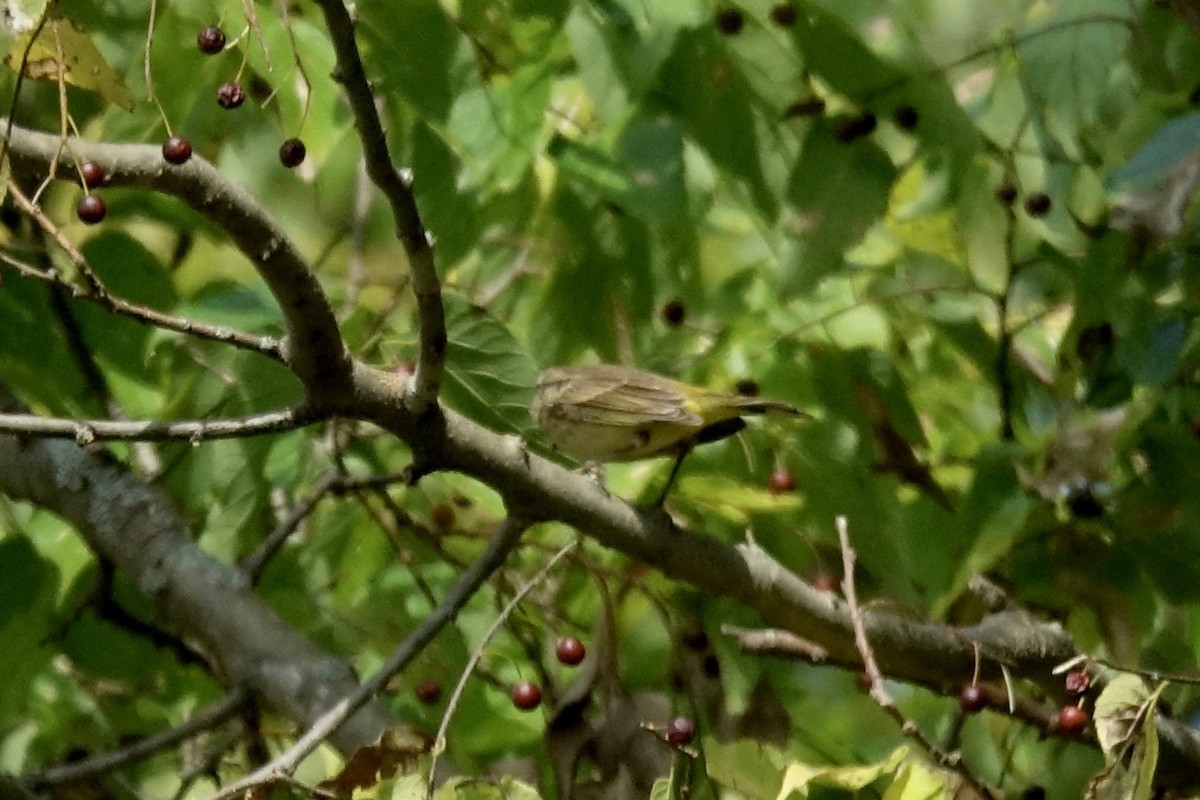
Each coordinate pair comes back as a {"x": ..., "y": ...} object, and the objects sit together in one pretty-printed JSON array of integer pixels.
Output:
[
  {"x": 397, "y": 188},
  {"x": 313, "y": 348},
  {"x": 210, "y": 603},
  {"x": 937, "y": 656}
]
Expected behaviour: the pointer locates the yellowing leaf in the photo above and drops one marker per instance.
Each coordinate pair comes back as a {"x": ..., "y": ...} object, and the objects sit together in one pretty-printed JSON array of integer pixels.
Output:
[
  {"x": 64, "y": 50},
  {"x": 930, "y": 231},
  {"x": 798, "y": 777},
  {"x": 1125, "y": 724}
]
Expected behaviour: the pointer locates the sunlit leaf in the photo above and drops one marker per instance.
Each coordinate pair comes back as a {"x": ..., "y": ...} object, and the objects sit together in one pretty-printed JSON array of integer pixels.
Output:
[{"x": 64, "y": 51}]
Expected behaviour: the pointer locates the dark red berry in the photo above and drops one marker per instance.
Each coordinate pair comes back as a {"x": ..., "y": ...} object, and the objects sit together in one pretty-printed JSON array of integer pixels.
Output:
[
  {"x": 906, "y": 117},
  {"x": 1072, "y": 720},
  {"x": 747, "y": 387},
  {"x": 730, "y": 21},
  {"x": 231, "y": 95},
  {"x": 781, "y": 481},
  {"x": 429, "y": 692},
  {"x": 864, "y": 682},
  {"x": 1094, "y": 341},
  {"x": 972, "y": 698},
  {"x": 441, "y": 515},
  {"x": 177, "y": 149},
  {"x": 783, "y": 15},
  {"x": 1077, "y": 681},
  {"x": 1037, "y": 205},
  {"x": 211, "y": 40},
  {"x": 806, "y": 107},
  {"x": 674, "y": 313},
  {"x": 1083, "y": 502},
  {"x": 824, "y": 582},
  {"x": 292, "y": 152},
  {"x": 91, "y": 209},
  {"x": 92, "y": 173},
  {"x": 851, "y": 128},
  {"x": 681, "y": 731},
  {"x": 570, "y": 651},
  {"x": 1006, "y": 193},
  {"x": 526, "y": 696}
]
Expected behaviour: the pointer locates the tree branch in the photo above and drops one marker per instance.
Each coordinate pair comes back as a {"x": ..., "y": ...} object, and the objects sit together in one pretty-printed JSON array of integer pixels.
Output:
[
  {"x": 88, "y": 431},
  {"x": 97, "y": 293},
  {"x": 135, "y": 527},
  {"x": 499, "y": 547},
  {"x": 104, "y": 763},
  {"x": 313, "y": 348},
  {"x": 397, "y": 188}
]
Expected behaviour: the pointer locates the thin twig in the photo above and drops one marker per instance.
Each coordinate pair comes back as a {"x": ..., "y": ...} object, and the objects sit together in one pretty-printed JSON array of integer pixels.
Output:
[
  {"x": 439, "y": 741},
  {"x": 492, "y": 558},
  {"x": 254, "y": 563},
  {"x": 104, "y": 763},
  {"x": 87, "y": 431},
  {"x": 879, "y": 692},
  {"x": 96, "y": 292}
]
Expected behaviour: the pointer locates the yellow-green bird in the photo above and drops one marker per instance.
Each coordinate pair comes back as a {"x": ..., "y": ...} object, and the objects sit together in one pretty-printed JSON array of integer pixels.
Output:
[{"x": 610, "y": 412}]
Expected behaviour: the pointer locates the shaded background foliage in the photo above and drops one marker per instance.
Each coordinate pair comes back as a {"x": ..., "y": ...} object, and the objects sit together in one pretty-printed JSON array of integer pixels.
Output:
[{"x": 899, "y": 216}]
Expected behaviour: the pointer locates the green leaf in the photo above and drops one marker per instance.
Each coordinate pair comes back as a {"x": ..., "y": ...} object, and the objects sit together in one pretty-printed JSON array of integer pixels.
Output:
[
  {"x": 489, "y": 375},
  {"x": 836, "y": 192}
]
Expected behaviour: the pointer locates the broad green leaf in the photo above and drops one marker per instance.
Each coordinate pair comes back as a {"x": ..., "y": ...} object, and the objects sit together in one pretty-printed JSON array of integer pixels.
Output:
[
  {"x": 836, "y": 192},
  {"x": 750, "y": 768},
  {"x": 1068, "y": 65},
  {"x": 489, "y": 375}
]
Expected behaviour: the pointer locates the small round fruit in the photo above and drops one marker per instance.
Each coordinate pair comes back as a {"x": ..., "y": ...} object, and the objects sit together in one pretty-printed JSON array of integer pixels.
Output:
[
  {"x": 429, "y": 692},
  {"x": 730, "y": 21},
  {"x": 1037, "y": 205},
  {"x": 526, "y": 696},
  {"x": 570, "y": 651},
  {"x": 92, "y": 173},
  {"x": 177, "y": 149},
  {"x": 856, "y": 127},
  {"x": 1072, "y": 720},
  {"x": 747, "y": 387},
  {"x": 91, "y": 209},
  {"x": 211, "y": 40},
  {"x": 972, "y": 698},
  {"x": 230, "y": 95},
  {"x": 783, "y": 15},
  {"x": 781, "y": 481},
  {"x": 681, "y": 731},
  {"x": 1084, "y": 504},
  {"x": 1006, "y": 193},
  {"x": 906, "y": 117},
  {"x": 674, "y": 313},
  {"x": 441, "y": 515},
  {"x": 805, "y": 107},
  {"x": 292, "y": 152}
]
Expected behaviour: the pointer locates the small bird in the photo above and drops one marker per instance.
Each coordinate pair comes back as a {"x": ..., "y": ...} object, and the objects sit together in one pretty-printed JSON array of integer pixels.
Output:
[{"x": 610, "y": 412}]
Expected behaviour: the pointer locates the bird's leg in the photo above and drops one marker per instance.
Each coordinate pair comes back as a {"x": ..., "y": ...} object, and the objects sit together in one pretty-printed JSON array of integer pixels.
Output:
[
  {"x": 662, "y": 497},
  {"x": 594, "y": 471}
]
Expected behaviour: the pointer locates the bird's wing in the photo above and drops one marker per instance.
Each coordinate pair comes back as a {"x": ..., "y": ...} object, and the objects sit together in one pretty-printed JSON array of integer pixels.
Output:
[{"x": 608, "y": 395}]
